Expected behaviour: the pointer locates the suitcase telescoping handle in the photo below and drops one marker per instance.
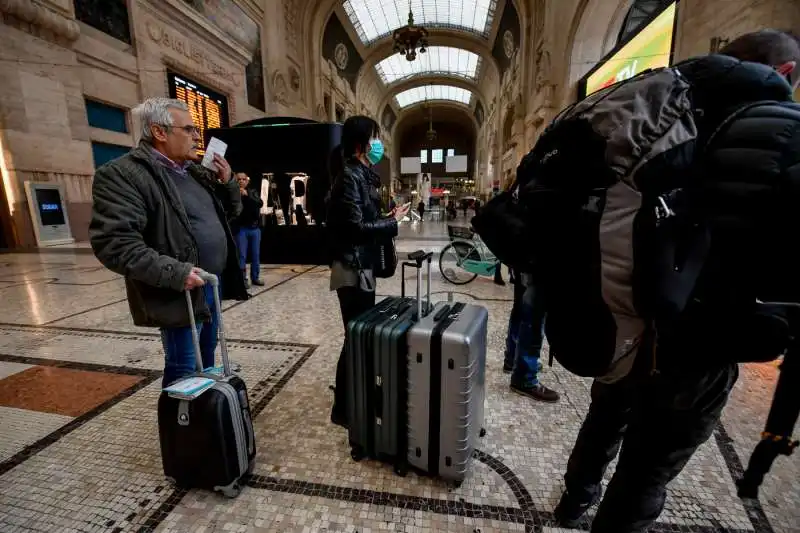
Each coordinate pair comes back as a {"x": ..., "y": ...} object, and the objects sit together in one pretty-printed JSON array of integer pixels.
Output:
[
  {"x": 418, "y": 257},
  {"x": 213, "y": 281}
]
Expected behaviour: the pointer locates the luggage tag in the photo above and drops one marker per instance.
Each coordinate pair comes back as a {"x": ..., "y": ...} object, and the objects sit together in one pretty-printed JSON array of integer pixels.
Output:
[
  {"x": 215, "y": 371},
  {"x": 189, "y": 388}
]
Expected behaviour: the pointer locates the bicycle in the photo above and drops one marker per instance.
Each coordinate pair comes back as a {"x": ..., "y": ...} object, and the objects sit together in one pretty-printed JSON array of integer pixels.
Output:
[{"x": 466, "y": 257}]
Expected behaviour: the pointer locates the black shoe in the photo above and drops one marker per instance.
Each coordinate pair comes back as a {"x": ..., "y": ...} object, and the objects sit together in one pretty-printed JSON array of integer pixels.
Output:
[
  {"x": 499, "y": 282},
  {"x": 246, "y": 284},
  {"x": 340, "y": 419},
  {"x": 569, "y": 512},
  {"x": 507, "y": 368},
  {"x": 258, "y": 283},
  {"x": 538, "y": 392}
]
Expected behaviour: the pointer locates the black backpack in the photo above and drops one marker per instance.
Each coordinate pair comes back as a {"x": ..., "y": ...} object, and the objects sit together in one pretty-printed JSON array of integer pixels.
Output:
[
  {"x": 504, "y": 223},
  {"x": 601, "y": 214}
]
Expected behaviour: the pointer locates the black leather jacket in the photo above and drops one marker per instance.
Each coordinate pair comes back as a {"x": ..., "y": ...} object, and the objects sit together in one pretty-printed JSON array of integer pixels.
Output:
[{"x": 354, "y": 216}]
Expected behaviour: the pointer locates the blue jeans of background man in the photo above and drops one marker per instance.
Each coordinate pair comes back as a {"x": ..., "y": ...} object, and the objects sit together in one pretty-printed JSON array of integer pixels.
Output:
[
  {"x": 525, "y": 333},
  {"x": 178, "y": 347},
  {"x": 249, "y": 239}
]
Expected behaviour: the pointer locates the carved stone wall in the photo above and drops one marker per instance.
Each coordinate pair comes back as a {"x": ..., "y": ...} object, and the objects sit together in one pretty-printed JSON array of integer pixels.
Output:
[
  {"x": 292, "y": 30},
  {"x": 59, "y": 62}
]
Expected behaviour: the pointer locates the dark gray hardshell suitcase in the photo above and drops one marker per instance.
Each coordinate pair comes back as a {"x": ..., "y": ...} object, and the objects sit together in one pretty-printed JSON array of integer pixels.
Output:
[
  {"x": 447, "y": 389},
  {"x": 208, "y": 442},
  {"x": 376, "y": 370}
]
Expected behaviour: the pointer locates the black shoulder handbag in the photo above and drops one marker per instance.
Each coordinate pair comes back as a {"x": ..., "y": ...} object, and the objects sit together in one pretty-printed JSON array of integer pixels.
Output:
[{"x": 385, "y": 264}]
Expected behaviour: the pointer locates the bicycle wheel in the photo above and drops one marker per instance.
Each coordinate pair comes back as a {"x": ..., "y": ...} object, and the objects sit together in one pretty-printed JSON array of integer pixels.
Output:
[{"x": 452, "y": 257}]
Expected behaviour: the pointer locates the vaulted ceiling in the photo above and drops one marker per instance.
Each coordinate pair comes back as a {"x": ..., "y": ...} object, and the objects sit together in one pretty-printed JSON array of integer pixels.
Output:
[
  {"x": 450, "y": 70},
  {"x": 374, "y": 19}
]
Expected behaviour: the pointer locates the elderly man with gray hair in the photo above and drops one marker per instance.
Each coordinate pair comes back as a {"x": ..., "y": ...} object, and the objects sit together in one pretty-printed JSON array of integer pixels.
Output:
[{"x": 157, "y": 218}]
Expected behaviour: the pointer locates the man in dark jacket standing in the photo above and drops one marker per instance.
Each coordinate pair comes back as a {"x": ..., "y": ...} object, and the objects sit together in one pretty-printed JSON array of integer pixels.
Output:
[
  {"x": 157, "y": 219},
  {"x": 750, "y": 184},
  {"x": 247, "y": 228}
]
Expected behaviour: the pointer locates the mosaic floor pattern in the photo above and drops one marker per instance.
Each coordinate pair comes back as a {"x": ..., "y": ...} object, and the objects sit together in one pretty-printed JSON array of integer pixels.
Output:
[{"x": 79, "y": 442}]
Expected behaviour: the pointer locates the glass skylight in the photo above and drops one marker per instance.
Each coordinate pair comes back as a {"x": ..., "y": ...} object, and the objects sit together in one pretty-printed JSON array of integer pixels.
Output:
[
  {"x": 433, "y": 92},
  {"x": 373, "y": 19},
  {"x": 437, "y": 60}
]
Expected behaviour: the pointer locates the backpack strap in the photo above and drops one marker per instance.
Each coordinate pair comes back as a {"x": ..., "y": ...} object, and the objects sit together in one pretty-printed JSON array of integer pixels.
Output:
[{"x": 732, "y": 117}]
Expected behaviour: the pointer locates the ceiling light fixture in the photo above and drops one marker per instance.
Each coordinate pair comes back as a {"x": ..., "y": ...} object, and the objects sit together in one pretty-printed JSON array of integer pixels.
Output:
[
  {"x": 431, "y": 133},
  {"x": 408, "y": 38}
]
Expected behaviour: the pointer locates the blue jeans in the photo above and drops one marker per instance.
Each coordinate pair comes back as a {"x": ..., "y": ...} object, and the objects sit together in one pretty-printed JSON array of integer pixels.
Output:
[
  {"x": 178, "y": 347},
  {"x": 250, "y": 239},
  {"x": 525, "y": 334}
]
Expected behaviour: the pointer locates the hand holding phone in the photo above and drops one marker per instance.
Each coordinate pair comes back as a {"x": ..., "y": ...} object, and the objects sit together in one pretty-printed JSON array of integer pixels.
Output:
[{"x": 400, "y": 212}]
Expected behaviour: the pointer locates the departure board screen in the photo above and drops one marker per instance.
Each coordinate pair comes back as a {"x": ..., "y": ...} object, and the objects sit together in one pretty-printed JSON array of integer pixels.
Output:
[{"x": 209, "y": 109}]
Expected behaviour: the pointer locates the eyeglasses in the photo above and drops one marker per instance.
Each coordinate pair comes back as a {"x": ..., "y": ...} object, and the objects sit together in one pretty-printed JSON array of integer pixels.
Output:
[{"x": 190, "y": 129}]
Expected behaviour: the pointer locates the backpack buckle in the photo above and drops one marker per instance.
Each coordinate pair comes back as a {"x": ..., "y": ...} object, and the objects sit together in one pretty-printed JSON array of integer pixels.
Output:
[{"x": 663, "y": 210}]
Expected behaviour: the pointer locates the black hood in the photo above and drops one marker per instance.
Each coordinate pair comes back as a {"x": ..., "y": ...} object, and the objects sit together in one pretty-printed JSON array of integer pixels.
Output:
[{"x": 721, "y": 84}]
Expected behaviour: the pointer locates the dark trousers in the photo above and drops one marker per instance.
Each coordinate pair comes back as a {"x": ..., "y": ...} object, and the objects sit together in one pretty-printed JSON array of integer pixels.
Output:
[
  {"x": 658, "y": 422},
  {"x": 249, "y": 240},
  {"x": 525, "y": 333},
  {"x": 352, "y": 302}
]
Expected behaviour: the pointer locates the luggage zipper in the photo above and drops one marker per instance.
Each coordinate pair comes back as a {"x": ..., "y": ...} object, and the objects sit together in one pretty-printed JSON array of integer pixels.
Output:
[
  {"x": 435, "y": 403},
  {"x": 238, "y": 425},
  {"x": 378, "y": 403},
  {"x": 654, "y": 367}
]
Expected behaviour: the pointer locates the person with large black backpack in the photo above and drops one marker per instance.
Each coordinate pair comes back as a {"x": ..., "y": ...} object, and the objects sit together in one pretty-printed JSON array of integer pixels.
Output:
[{"x": 667, "y": 200}]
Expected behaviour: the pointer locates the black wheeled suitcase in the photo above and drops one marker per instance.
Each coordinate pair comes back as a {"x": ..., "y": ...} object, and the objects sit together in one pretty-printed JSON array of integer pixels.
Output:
[
  {"x": 208, "y": 442},
  {"x": 377, "y": 371}
]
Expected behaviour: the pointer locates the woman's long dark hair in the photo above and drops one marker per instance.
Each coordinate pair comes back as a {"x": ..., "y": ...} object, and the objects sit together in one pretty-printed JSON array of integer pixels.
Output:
[{"x": 336, "y": 163}]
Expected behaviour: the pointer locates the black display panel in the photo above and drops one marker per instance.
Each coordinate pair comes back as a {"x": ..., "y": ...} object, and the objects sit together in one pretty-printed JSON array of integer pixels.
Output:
[
  {"x": 48, "y": 202},
  {"x": 209, "y": 108}
]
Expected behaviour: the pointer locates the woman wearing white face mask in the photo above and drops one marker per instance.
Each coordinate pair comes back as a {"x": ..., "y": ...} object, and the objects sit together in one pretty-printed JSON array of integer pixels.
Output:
[{"x": 355, "y": 226}]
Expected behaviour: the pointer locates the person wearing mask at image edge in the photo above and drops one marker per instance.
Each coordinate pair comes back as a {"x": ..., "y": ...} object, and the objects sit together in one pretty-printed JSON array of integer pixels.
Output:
[
  {"x": 355, "y": 225},
  {"x": 657, "y": 418}
]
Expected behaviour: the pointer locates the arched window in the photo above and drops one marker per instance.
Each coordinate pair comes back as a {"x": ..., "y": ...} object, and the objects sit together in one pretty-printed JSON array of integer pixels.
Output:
[{"x": 640, "y": 12}]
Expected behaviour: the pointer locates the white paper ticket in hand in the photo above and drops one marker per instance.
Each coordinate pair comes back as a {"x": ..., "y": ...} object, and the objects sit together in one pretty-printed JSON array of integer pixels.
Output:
[{"x": 215, "y": 146}]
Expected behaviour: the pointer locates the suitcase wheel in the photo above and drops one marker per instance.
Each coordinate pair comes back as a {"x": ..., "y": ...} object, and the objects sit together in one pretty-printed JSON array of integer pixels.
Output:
[
  {"x": 180, "y": 483},
  {"x": 357, "y": 453},
  {"x": 230, "y": 491},
  {"x": 483, "y": 432},
  {"x": 401, "y": 470}
]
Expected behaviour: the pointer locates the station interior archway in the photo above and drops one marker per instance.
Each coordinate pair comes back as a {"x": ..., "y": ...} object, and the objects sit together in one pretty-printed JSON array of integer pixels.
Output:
[{"x": 79, "y": 382}]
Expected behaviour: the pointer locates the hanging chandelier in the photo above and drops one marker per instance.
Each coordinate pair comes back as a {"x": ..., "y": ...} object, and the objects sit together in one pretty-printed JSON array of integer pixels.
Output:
[
  {"x": 408, "y": 38},
  {"x": 431, "y": 133}
]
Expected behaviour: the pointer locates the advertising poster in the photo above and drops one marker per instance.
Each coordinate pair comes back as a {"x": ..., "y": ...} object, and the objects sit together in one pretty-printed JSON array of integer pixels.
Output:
[{"x": 650, "y": 49}]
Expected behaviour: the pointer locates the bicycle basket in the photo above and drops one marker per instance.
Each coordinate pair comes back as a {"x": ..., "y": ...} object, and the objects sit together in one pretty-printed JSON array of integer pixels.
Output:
[{"x": 460, "y": 232}]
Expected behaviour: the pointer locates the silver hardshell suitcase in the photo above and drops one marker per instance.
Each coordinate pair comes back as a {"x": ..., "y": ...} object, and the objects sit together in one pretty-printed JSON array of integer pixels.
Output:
[{"x": 447, "y": 389}]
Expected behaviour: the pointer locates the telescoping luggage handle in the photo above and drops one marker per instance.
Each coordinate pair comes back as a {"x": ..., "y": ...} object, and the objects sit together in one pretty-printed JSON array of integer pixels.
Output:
[
  {"x": 418, "y": 257},
  {"x": 212, "y": 280}
]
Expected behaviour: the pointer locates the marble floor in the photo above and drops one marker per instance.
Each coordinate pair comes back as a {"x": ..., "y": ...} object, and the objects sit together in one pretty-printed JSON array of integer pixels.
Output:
[{"x": 79, "y": 441}]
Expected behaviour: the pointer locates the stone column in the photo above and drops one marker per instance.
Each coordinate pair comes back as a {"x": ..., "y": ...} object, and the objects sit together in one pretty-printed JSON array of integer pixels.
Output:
[
  {"x": 332, "y": 110},
  {"x": 44, "y": 133},
  {"x": 273, "y": 37}
]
